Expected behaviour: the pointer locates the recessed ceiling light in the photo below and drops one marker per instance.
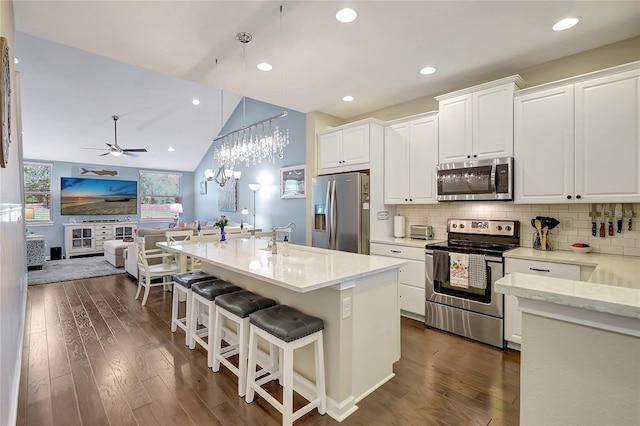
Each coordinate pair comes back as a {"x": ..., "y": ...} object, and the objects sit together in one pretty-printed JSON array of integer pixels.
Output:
[
  {"x": 348, "y": 98},
  {"x": 427, "y": 70},
  {"x": 346, "y": 15},
  {"x": 265, "y": 66},
  {"x": 196, "y": 101},
  {"x": 15, "y": 60},
  {"x": 565, "y": 24},
  {"x": 171, "y": 149}
]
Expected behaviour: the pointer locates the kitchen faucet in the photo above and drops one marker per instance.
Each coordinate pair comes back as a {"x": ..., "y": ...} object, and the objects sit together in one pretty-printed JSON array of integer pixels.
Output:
[{"x": 274, "y": 246}]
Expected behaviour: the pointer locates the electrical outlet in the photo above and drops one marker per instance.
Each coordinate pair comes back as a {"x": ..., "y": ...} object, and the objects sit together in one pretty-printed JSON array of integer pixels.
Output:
[
  {"x": 346, "y": 307},
  {"x": 567, "y": 224}
]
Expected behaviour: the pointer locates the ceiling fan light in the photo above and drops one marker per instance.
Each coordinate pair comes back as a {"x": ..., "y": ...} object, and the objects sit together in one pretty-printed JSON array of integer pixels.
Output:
[{"x": 116, "y": 153}]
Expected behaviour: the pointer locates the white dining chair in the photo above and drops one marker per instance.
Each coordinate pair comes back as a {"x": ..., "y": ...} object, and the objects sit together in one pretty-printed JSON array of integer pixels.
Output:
[{"x": 147, "y": 272}]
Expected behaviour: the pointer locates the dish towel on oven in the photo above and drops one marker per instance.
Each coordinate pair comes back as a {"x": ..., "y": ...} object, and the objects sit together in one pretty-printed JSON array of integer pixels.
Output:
[
  {"x": 459, "y": 270},
  {"x": 477, "y": 271},
  {"x": 440, "y": 266}
]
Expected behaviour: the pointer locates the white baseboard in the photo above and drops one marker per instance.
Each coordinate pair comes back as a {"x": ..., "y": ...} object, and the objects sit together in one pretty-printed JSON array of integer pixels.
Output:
[{"x": 15, "y": 386}]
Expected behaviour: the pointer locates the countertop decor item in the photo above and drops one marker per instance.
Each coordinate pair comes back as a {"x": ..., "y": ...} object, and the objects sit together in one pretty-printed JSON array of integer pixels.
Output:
[{"x": 580, "y": 248}]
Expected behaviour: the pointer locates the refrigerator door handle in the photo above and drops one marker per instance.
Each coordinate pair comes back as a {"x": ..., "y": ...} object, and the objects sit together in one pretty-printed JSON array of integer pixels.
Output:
[
  {"x": 327, "y": 212},
  {"x": 332, "y": 239}
]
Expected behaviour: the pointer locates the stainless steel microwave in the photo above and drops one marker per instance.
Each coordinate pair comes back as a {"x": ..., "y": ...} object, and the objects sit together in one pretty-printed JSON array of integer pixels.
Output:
[{"x": 476, "y": 180}]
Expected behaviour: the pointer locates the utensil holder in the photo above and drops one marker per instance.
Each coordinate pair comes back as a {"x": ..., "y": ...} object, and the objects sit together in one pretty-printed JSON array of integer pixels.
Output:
[{"x": 537, "y": 245}]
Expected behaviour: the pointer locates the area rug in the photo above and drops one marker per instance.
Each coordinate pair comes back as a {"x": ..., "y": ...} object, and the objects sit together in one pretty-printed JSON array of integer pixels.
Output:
[{"x": 55, "y": 271}]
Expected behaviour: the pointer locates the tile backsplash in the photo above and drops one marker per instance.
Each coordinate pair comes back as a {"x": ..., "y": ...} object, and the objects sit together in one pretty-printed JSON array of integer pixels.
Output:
[{"x": 575, "y": 223}]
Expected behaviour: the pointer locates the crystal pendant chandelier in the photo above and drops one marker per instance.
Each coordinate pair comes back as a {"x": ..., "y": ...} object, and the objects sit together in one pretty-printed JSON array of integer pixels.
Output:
[{"x": 252, "y": 143}]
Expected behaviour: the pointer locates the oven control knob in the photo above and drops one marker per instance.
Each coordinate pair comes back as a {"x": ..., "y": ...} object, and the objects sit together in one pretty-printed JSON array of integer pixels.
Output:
[
  {"x": 499, "y": 228},
  {"x": 508, "y": 228},
  {"x": 454, "y": 226},
  {"x": 461, "y": 225}
]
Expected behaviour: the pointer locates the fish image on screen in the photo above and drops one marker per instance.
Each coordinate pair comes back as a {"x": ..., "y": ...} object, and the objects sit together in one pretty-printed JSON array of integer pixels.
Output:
[{"x": 85, "y": 196}]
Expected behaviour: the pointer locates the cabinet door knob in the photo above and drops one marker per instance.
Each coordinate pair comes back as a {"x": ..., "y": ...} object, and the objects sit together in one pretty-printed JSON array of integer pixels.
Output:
[
  {"x": 410, "y": 199},
  {"x": 406, "y": 199},
  {"x": 568, "y": 197},
  {"x": 578, "y": 196},
  {"x": 475, "y": 156},
  {"x": 468, "y": 156}
]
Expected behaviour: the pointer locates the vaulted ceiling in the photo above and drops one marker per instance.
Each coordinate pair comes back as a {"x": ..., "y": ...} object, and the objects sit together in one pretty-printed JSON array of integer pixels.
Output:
[{"x": 145, "y": 60}]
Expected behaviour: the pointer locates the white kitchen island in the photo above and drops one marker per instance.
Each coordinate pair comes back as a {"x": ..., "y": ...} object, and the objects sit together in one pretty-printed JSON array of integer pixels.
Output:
[
  {"x": 355, "y": 295},
  {"x": 580, "y": 360}
]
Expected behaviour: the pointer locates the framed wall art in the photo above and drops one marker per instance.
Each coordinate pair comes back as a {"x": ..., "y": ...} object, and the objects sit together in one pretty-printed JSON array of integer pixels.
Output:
[
  {"x": 5, "y": 102},
  {"x": 228, "y": 197},
  {"x": 203, "y": 187},
  {"x": 293, "y": 182}
]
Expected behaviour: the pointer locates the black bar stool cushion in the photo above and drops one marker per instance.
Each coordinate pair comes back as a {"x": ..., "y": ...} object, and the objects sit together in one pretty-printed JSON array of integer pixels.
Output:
[
  {"x": 212, "y": 289},
  {"x": 186, "y": 279},
  {"x": 285, "y": 322},
  {"x": 242, "y": 303}
]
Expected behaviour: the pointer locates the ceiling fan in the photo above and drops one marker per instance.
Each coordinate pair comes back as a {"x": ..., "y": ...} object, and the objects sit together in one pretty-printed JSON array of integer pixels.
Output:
[{"x": 115, "y": 149}]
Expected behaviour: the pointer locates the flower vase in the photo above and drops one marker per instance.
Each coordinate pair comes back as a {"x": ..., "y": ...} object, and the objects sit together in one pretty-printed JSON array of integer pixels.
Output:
[{"x": 223, "y": 236}]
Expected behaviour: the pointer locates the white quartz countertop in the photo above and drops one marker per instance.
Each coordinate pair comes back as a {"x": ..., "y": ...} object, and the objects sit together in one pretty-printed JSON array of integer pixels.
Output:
[
  {"x": 305, "y": 269},
  {"x": 406, "y": 242},
  {"x": 613, "y": 286}
]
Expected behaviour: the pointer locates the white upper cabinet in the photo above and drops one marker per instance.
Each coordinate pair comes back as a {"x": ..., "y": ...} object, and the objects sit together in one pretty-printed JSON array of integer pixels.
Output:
[
  {"x": 477, "y": 123},
  {"x": 543, "y": 147},
  {"x": 608, "y": 138},
  {"x": 411, "y": 155},
  {"x": 345, "y": 148},
  {"x": 579, "y": 140}
]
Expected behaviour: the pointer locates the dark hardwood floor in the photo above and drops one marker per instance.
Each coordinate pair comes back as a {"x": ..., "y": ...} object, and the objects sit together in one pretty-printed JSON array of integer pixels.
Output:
[{"x": 94, "y": 356}]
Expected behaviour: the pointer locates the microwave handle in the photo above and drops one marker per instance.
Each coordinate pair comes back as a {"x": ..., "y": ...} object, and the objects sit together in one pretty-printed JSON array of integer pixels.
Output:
[{"x": 494, "y": 178}]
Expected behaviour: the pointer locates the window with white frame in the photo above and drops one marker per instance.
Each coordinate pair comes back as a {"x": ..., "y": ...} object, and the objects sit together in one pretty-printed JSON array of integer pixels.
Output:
[
  {"x": 158, "y": 191},
  {"x": 37, "y": 192}
]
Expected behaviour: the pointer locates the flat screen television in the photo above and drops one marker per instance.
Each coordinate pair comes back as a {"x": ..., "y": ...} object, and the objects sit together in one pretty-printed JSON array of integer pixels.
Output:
[{"x": 86, "y": 196}]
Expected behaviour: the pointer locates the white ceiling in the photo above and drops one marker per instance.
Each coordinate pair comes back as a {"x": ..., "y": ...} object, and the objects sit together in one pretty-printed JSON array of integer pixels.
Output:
[{"x": 316, "y": 60}]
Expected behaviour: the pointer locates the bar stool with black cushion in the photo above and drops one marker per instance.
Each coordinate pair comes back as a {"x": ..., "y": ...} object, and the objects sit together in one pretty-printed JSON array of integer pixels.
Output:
[
  {"x": 205, "y": 293},
  {"x": 289, "y": 329},
  {"x": 236, "y": 307},
  {"x": 183, "y": 282}
]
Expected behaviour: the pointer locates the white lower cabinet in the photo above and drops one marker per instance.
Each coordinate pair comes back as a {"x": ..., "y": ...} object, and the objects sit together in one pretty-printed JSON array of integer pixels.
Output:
[
  {"x": 512, "y": 316},
  {"x": 412, "y": 276}
]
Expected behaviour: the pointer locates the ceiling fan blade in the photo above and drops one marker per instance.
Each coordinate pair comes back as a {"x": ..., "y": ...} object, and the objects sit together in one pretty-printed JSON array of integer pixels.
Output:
[
  {"x": 106, "y": 153},
  {"x": 135, "y": 150},
  {"x": 109, "y": 145},
  {"x": 130, "y": 154},
  {"x": 97, "y": 149}
]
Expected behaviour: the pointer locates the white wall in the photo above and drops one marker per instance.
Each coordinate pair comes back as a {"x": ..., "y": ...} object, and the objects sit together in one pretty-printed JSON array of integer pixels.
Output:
[
  {"x": 13, "y": 268},
  {"x": 626, "y": 243}
]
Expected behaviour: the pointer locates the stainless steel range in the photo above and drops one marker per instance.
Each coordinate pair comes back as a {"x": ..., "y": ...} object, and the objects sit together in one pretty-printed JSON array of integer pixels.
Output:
[{"x": 460, "y": 274}]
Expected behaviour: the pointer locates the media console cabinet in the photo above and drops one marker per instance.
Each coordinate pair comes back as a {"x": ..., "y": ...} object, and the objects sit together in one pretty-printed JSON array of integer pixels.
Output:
[{"x": 89, "y": 237}]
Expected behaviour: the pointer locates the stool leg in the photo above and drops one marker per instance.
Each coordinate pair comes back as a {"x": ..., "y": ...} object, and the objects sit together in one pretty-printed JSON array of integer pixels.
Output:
[
  {"x": 174, "y": 312},
  {"x": 216, "y": 343},
  {"x": 193, "y": 308},
  {"x": 287, "y": 389},
  {"x": 320, "y": 385},
  {"x": 212, "y": 325},
  {"x": 242, "y": 355},
  {"x": 251, "y": 376}
]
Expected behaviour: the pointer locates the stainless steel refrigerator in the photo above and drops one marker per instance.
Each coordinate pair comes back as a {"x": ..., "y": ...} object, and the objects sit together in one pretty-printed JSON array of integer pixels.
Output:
[{"x": 340, "y": 208}]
